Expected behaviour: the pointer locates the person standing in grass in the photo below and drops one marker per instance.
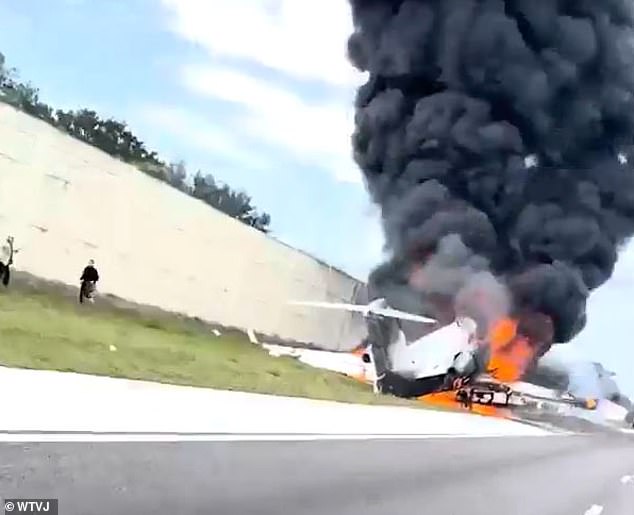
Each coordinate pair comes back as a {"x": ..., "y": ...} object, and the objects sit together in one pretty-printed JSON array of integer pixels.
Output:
[
  {"x": 6, "y": 260},
  {"x": 89, "y": 278}
]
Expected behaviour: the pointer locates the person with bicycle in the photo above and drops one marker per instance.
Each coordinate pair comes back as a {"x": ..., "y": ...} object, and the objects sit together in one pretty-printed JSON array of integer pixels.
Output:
[
  {"x": 89, "y": 278},
  {"x": 6, "y": 260}
]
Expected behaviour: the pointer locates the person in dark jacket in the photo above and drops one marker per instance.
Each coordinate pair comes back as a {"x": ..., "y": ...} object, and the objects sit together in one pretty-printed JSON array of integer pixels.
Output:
[
  {"x": 6, "y": 260},
  {"x": 89, "y": 278},
  {"x": 90, "y": 272}
]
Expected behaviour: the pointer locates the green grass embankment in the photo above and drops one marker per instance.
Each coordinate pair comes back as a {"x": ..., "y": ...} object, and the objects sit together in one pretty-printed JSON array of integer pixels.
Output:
[{"x": 46, "y": 330}]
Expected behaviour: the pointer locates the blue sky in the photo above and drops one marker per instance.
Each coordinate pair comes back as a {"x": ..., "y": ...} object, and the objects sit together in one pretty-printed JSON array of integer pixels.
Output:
[{"x": 259, "y": 93}]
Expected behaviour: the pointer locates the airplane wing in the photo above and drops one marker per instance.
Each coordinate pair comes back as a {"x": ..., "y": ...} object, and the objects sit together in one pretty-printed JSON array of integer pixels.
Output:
[
  {"x": 388, "y": 312},
  {"x": 395, "y": 313},
  {"x": 332, "y": 305}
]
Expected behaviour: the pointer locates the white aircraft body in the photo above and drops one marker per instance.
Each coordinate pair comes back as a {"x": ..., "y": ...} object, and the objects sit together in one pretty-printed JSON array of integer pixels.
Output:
[
  {"x": 420, "y": 364},
  {"x": 439, "y": 351},
  {"x": 435, "y": 353}
]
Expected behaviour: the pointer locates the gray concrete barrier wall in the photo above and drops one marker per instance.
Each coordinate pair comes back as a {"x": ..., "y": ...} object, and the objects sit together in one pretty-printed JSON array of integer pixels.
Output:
[{"x": 66, "y": 202}]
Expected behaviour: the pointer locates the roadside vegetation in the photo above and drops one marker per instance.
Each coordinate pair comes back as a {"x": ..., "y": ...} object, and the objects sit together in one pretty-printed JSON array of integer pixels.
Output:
[{"x": 47, "y": 330}]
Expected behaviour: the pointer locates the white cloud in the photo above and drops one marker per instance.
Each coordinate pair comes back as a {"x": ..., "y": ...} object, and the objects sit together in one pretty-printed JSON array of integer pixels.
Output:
[
  {"x": 316, "y": 133},
  {"x": 302, "y": 38},
  {"x": 197, "y": 130}
]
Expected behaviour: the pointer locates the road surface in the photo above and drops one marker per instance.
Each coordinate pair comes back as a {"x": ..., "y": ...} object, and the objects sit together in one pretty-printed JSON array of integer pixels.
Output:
[{"x": 559, "y": 475}]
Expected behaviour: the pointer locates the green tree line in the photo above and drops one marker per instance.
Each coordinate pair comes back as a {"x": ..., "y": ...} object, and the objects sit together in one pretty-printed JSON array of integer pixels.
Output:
[{"x": 115, "y": 138}]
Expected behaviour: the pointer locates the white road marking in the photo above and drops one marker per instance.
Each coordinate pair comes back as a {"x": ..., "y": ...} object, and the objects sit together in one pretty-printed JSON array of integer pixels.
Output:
[
  {"x": 627, "y": 479},
  {"x": 595, "y": 509},
  {"x": 6, "y": 437}
]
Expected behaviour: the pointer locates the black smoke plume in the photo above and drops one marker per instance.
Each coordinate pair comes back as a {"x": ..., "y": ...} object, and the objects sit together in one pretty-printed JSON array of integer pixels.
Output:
[{"x": 507, "y": 123}]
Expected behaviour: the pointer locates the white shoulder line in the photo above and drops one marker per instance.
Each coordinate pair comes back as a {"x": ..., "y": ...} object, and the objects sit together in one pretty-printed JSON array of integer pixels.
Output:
[{"x": 80, "y": 437}]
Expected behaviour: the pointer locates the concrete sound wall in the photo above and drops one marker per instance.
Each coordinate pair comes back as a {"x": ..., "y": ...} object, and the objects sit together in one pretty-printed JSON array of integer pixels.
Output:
[{"x": 66, "y": 202}]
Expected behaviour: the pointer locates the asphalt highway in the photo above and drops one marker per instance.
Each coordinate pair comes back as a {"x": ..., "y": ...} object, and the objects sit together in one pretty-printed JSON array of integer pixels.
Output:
[{"x": 559, "y": 475}]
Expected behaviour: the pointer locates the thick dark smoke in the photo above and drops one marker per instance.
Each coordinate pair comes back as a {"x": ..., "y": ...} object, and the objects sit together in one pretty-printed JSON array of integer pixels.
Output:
[{"x": 507, "y": 123}]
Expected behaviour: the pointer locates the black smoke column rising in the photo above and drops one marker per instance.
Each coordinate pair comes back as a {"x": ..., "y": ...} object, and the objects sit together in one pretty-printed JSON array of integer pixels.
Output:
[{"x": 506, "y": 122}]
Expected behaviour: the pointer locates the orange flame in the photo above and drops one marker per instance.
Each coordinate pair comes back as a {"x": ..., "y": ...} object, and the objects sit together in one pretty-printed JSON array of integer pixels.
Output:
[
  {"x": 448, "y": 400},
  {"x": 511, "y": 353}
]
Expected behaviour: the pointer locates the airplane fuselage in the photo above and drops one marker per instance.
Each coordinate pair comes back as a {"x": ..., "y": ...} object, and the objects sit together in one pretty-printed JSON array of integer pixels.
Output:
[{"x": 413, "y": 368}]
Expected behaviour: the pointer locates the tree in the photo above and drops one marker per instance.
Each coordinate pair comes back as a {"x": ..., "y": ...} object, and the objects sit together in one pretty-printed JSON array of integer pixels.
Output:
[
  {"x": 64, "y": 120},
  {"x": 85, "y": 123},
  {"x": 176, "y": 176},
  {"x": 204, "y": 186},
  {"x": 4, "y": 73},
  {"x": 261, "y": 222},
  {"x": 7, "y": 75},
  {"x": 236, "y": 204}
]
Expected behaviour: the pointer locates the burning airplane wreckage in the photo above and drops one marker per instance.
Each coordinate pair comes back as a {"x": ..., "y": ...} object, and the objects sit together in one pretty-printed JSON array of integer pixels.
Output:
[
  {"x": 414, "y": 356},
  {"x": 495, "y": 137}
]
